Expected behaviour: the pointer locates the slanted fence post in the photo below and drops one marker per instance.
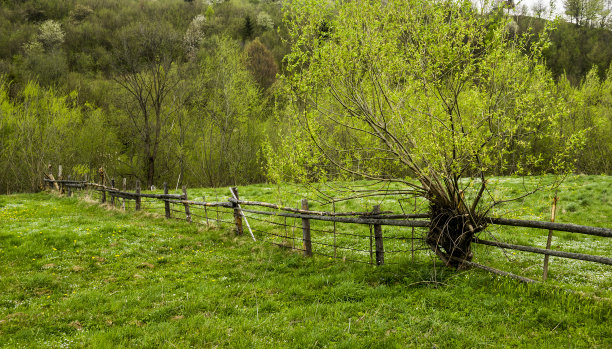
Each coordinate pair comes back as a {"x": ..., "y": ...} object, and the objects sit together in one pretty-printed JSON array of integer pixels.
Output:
[
  {"x": 378, "y": 237},
  {"x": 187, "y": 212},
  {"x": 550, "y": 234},
  {"x": 53, "y": 184},
  {"x": 306, "y": 231},
  {"x": 166, "y": 203},
  {"x": 237, "y": 215},
  {"x": 137, "y": 196}
]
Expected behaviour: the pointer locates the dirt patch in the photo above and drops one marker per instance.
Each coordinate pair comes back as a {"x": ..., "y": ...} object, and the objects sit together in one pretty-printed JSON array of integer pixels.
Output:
[{"x": 146, "y": 265}]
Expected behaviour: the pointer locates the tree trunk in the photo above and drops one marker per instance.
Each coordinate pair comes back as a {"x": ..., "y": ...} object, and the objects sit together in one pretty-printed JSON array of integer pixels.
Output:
[
  {"x": 452, "y": 228},
  {"x": 150, "y": 171}
]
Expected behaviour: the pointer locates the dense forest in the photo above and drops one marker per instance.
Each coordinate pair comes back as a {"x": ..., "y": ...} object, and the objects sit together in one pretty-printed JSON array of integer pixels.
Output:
[{"x": 201, "y": 93}]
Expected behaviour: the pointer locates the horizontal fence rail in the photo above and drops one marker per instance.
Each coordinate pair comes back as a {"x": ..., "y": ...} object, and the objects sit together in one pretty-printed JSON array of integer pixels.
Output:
[
  {"x": 572, "y": 255},
  {"x": 567, "y": 227},
  {"x": 337, "y": 219},
  {"x": 299, "y": 228}
]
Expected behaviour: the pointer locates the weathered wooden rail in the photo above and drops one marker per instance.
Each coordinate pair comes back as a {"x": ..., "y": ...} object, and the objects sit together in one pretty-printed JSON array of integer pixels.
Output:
[
  {"x": 376, "y": 219},
  {"x": 567, "y": 227}
]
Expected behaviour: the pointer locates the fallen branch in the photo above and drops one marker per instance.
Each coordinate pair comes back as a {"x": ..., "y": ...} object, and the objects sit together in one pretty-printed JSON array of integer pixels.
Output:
[{"x": 495, "y": 271}]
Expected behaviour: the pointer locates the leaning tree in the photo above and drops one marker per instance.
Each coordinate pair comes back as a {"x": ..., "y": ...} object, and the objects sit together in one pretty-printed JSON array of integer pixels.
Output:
[{"x": 428, "y": 94}]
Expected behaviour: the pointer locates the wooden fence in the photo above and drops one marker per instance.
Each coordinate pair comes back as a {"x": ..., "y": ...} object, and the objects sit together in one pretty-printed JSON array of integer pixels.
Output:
[{"x": 366, "y": 244}]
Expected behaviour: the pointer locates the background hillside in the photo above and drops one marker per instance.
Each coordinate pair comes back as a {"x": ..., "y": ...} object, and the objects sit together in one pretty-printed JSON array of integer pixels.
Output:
[{"x": 80, "y": 85}]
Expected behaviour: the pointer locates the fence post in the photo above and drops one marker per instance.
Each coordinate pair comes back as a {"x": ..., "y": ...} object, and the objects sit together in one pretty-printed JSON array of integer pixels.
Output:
[
  {"x": 86, "y": 184},
  {"x": 166, "y": 203},
  {"x": 111, "y": 194},
  {"x": 187, "y": 212},
  {"x": 378, "y": 237},
  {"x": 217, "y": 211},
  {"x": 103, "y": 196},
  {"x": 237, "y": 215},
  {"x": 371, "y": 244},
  {"x": 334, "y": 207},
  {"x": 69, "y": 187},
  {"x": 293, "y": 238},
  {"x": 205, "y": 211},
  {"x": 549, "y": 240},
  {"x": 59, "y": 178},
  {"x": 124, "y": 186},
  {"x": 412, "y": 238},
  {"x": 137, "y": 195},
  {"x": 306, "y": 231}
]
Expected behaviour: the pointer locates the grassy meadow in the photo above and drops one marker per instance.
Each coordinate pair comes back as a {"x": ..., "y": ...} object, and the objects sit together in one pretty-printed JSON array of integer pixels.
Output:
[{"x": 75, "y": 274}]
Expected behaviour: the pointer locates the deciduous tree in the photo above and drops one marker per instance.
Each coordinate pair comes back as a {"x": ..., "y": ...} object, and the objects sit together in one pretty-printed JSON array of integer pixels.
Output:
[
  {"x": 229, "y": 109},
  {"x": 426, "y": 90},
  {"x": 260, "y": 62},
  {"x": 145, "y": 68}
]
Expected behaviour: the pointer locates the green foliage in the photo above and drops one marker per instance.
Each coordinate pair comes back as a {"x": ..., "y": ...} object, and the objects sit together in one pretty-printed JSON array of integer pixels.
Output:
[
  {"x": 587, "y": 12},
  {"x": 229, "y": 124},
  {"x": 590, "y": 111},
  {"x": 41, "y": 127},
  {"x": 290, "y": 159},
  {"x": 574, "y": 51},
  {"x": 247, "y": 29},
  {"x": 73, "y": 46},
  {"x": 47, "y": 68}
]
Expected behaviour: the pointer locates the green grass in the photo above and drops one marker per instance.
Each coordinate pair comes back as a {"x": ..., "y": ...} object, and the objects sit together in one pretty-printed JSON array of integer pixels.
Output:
[{"x": 73, "y": 274}]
